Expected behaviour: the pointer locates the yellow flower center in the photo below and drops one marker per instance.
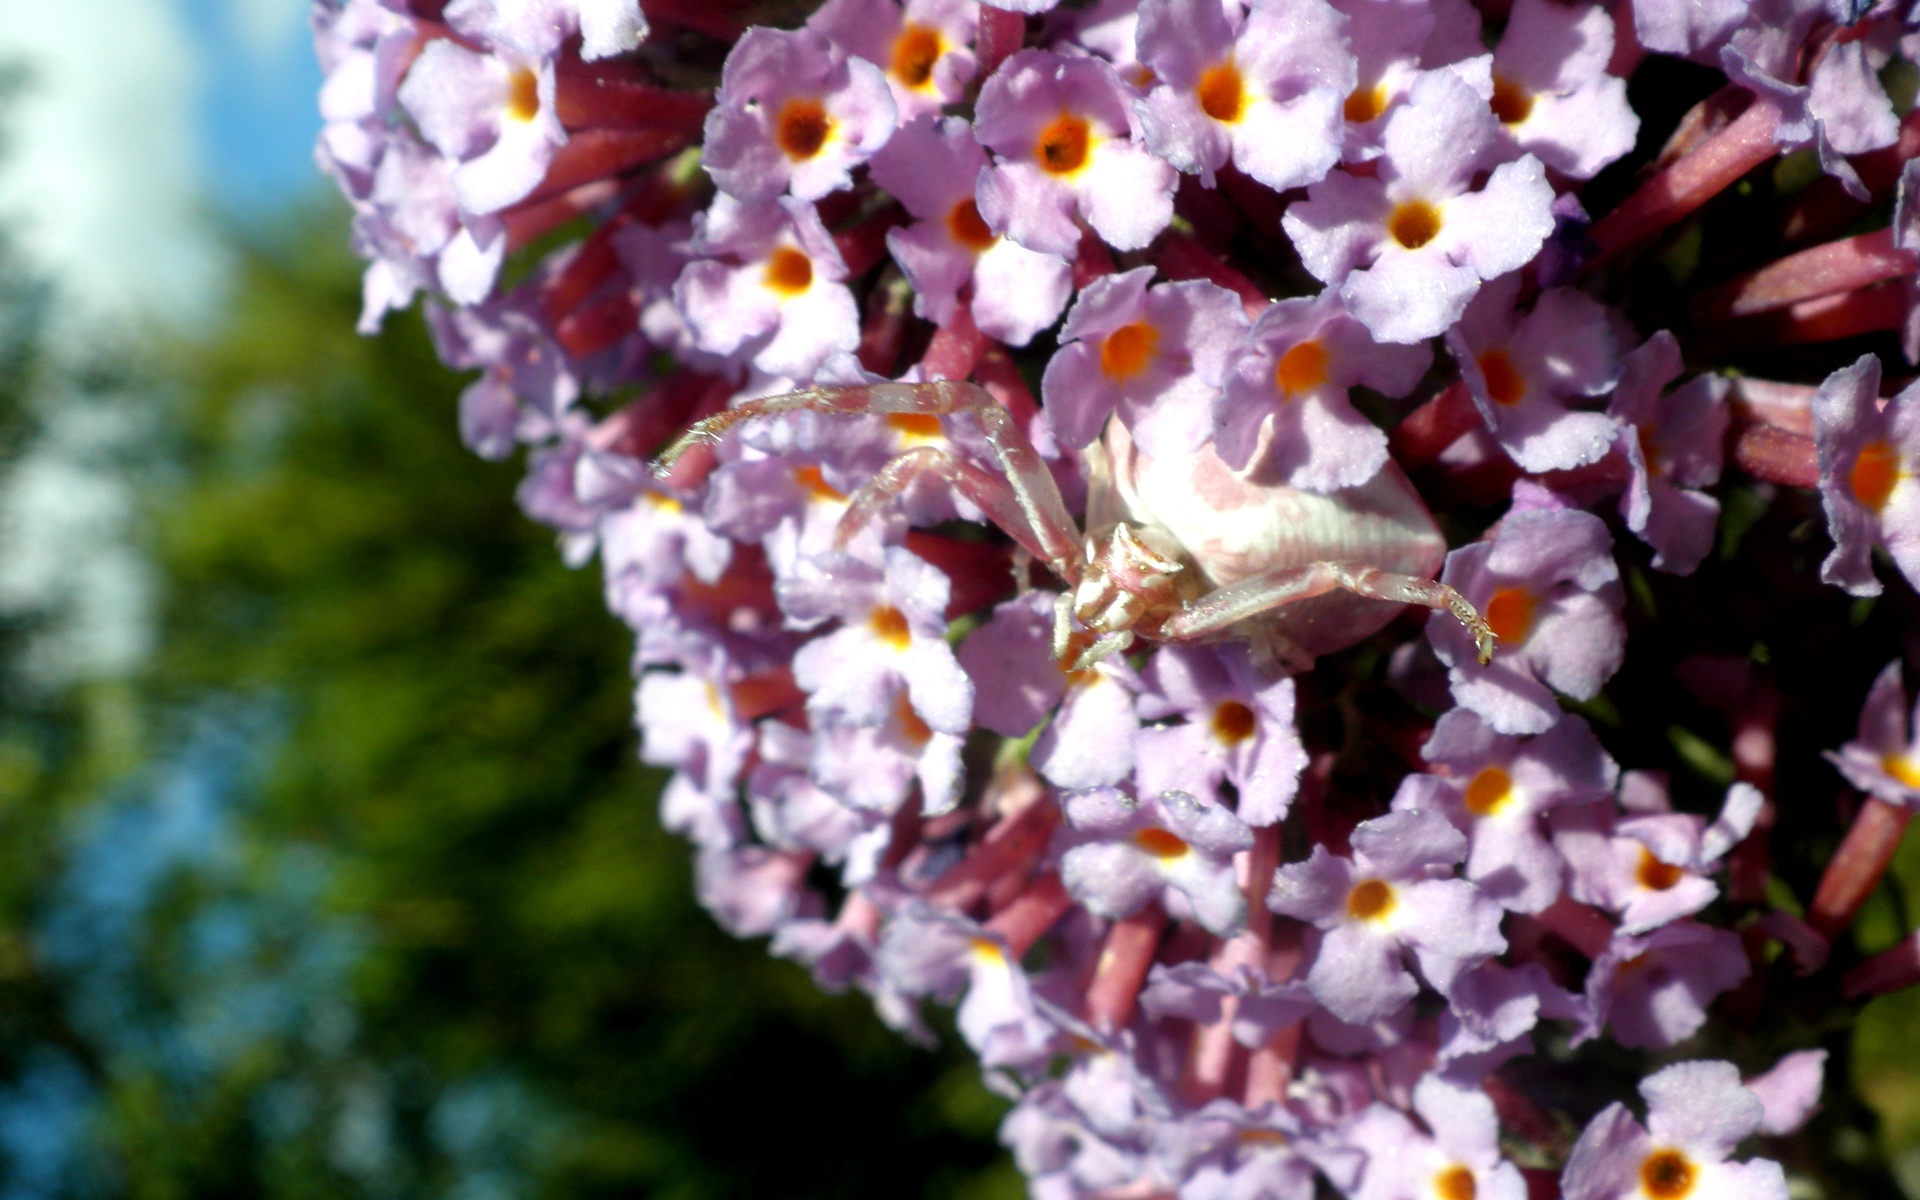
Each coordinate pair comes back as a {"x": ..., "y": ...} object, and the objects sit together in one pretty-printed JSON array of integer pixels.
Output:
[
  {"x": 889, "y": 624},
  {"x": 1510, "y": 613},
  {"x": 968, "y": 228},
  {"x": 1488, "y": 791},
  {"x": 1233, "y": 722},
  {"x": 523, "y": 95},
  {"x": 1505, "y": 385},
  {"x": 1370, "y": 900},
  {"x": 914, "y": 53},
  {"x": 1667, "y": 1175},
  {"x": 1365, "y": 103},
  {"x": 802, "y": 128},
  {"x": 1414, "y": 223},
  {"x": 789, "y": 271},
  {"x": 1654, "y": 875},
  {"x": 1511, "y": 102},
  {"x": 1222, "y": 94},
  {"x": 1902, "y": 767},
  {"x": 1301, "y": 369},
  {"x": 1160, "y": 843},
  {"x": 1874, "y": 475},
  {"x": 1127, "y": 350},
  {"x": 1063, "y": 146},
  {"x": 1454, "y": 1183}
]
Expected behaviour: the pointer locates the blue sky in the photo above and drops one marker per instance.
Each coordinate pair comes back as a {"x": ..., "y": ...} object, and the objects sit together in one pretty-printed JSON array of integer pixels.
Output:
[{"x": 255, "y": 112}]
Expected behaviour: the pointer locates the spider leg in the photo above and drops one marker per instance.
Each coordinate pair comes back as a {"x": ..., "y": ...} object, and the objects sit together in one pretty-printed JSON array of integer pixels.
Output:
[
  {"x": 1256, "y": 594},
  {"x": 1056, "y": 534},
  {"x": 992, "y": 494}
]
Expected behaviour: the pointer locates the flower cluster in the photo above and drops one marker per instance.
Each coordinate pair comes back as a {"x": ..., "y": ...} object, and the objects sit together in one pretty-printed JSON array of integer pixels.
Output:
[{"x": 1004, "y": 700}]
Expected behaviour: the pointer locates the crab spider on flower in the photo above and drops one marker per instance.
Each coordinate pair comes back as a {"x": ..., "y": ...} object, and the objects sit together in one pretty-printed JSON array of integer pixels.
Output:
[{"x": 1177, "y": 549}]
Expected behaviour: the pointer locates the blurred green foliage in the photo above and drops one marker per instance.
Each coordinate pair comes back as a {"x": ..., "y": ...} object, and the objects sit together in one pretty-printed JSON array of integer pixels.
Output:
[{"x": 434, "y": 721}]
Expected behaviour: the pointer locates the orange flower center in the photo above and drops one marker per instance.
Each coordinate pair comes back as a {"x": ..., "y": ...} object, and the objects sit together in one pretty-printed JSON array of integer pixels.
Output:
[
  {"x": 523, "y": 95},
  {"x": 1233, "y": 722},
  {"x": 1222, "y": 94},
  {"x": 1488, "y": 790},
  {"x": 1454, "y": 1183},
  {"x": 1510, "y": 613},
  {"x": 889, "y": 624},
  {"x": 1127, "y": 350},
  {"x": 1365, "y": 103},
  {"x": 912, "y": 729},
  {"x": 1874, "y": 475},
  {"x": 1511, "y": 102},
  {"x": 1301, "y": 369},
  {"x": 1063, "y": 146},
  {"x": 802, "y": 128},
  {"x": 1902, "y": 767},
  {"x": 1369, "y": 900},
  {"x": 1666, "y": 1175},
  {"x": 815, "y": 484},
  {"x": 1655, "y": 875},
  {"x": 1414, "y": 223},
  {"x": 1505, "y": 385},
  {"x": 914, "y": 53},
  {"x": 921, "y": 426},
  {"x": 967, "y": 227},
  {"x": 1160, "y": 843},
  {"x": 789, "y": 271}
]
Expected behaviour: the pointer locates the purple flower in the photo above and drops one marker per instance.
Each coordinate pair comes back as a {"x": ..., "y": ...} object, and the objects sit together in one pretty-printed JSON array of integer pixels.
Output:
[
  {"x": 1155, "y": 355},
  {"x": 1653, "y": 869},
  {"x": 1268, "y": 1153},
  {"x": 1491, "y": 1014},
  {"x": 751, "y": 890},
  {"x": 925, "y": 951},
  {"x": 1285, "y": 404},
  {"x": 1392, "y": 897},
  {"x": 1257, "y": 1007},
  {"x": 1789, "y": 1091},
  {"x": 783, "y": 306},
  {"x": 790, "y": 812},
  {"x": 1065, "y": 135},
  {"x": 892, "y": 635},
  {"x": 1235, "y": 727},
  {"x": 1522, "y": 370},
  {"x": 930, "y": 167},
  {"x": 1674, "y": 446},
  {"x": 1549, "y": 587},
  {"x": 1018, "y": 681},
  {"x": 1697, "y": 1112},
  {"x": 923, "y": 48},
  {"x": 794, "y": 113},
  {"x": 1841, "y": 110},
  {"x": 1654, "y": 990},
  {"x": 1391, "y": 41},
  {"x": 1496, "y": 791},
  {"x": 1265, "y": 90},
  {"x": 538, "y": 28},
  {"x": 1174, "y": 847},
  {"x": 1883, "y": 759},
  {"x": 491, "y": 113},
  {"x": 1867, "y": 462},
  {"x": 1410, "y": 248},
  {"x": 1552, "y": 92},
  {"x": 1461, "y": 1157}
]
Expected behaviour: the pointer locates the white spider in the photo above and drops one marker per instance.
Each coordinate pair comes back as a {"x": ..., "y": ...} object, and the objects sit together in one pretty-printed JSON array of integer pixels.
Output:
[{"x": 1176, "y": 549}]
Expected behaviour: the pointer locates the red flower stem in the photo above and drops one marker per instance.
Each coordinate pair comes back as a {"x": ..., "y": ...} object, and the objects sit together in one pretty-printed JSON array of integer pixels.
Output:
[
  {"x": 1857, "y": 866},
  {"x": 771, "y": 691},
  {"x": 1424, "y": 433},
  {"x": 1679, "y": 189},
  {"x": 863, "y": 246},
  {"x": 1215, "y": 1053},
  {"x": 1834, "y": 318},
  {"x": 525, "y": 222},
  {"x": 1032, "y": 913},
  {"x": 701, "y": 16},
  {"x": 955, "y": 348},
  {"x": 982, "y": 573},
  {"x": 600, "y": 153},
  {"x": 1000, "y": 375},
  {"x": 584, "y": 99},
  {"x": 1015, "y": 842},
  {"x": 1888, "y": 971},
  {"x": 1001, "y": 32},
  {"x": 1581, "y": 927},
  {"x": 884, "y": 332},
  {"x": 593, "y": 327},
  {"x": 1124, "y": 959},
  {"x": 1270, "y": 1068},
  {"x": 1091, "y": 260},
  {"x": 1182, "y": 257},
  {"x": 1823, "y": 208},
  {"x": 1840, "y": 266},
  {"x": 1785, "y": 406},
  {"x": 1627, "y": 51},
  {"x": 1776, "y": 456}
]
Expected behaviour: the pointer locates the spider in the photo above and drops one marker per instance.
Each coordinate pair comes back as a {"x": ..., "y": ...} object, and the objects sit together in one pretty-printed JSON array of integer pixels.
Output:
[{"x": 1176, "y": 549}]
